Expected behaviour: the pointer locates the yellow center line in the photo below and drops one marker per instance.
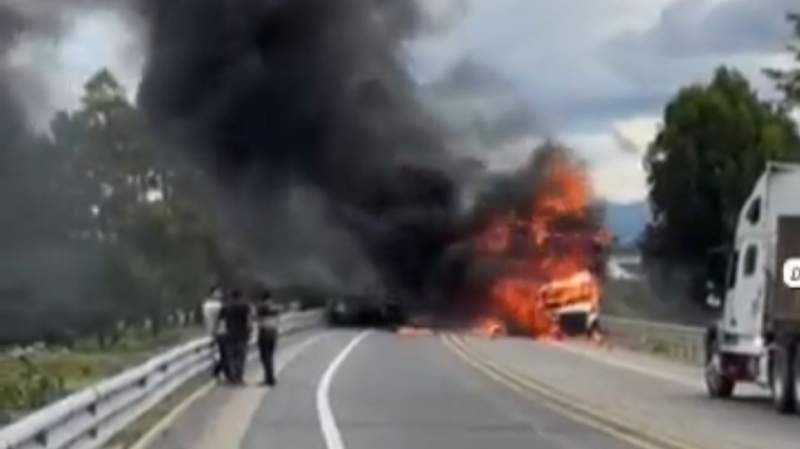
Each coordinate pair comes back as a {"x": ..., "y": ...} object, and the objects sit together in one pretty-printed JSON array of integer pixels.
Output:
[{"x": 564, "y": 405}]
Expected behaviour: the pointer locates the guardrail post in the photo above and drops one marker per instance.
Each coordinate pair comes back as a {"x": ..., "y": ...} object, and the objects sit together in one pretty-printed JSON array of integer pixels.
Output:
[
  {"x": 41, "y": 438},
  {"x": 92, "y": 410}
]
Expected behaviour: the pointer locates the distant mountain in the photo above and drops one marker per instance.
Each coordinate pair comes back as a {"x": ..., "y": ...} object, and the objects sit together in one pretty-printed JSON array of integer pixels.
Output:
[{"x": 626, "y": 220}]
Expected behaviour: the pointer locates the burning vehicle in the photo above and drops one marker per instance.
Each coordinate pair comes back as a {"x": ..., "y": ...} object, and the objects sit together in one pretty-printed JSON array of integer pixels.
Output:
[
  {"x": 574, "y": 302},
  {"x": 547, "y": 254}
]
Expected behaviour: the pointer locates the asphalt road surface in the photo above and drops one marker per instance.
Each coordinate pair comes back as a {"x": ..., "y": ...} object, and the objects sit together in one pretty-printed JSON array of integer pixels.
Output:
[{"x": 341, "y": 389}]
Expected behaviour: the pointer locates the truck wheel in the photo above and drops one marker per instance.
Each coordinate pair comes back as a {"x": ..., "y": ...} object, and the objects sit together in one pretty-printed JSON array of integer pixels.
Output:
[
  {"x": 796, "y": 371},
  {"x": 782, "y": 379},
  {"x": 717, "y": 384}
]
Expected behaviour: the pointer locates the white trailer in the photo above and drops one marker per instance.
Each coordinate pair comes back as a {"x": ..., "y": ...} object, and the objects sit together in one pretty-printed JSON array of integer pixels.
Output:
[{"x": 756, "y": 340}]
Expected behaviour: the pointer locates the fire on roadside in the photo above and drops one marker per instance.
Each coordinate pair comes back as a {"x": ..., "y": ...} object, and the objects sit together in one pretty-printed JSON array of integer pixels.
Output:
[
  {"x": 551, "y": 253},
  {"x": 413, "y": 331},
  {"x": 490, "y": 327}
]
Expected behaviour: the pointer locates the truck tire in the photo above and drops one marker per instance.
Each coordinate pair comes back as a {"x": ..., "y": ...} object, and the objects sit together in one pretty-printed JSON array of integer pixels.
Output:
[
  {"x": 796, "y": 372},
  {"x": 717, "y": 383},
  {"x": 782, "y": 378}
]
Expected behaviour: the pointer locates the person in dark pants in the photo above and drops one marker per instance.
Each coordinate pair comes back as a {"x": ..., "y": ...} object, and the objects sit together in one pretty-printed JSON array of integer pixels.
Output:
[
  {"x": 235, "y": 315},
  {"x": 220, "y": 365},
  {"x": 267, "y": 316}
]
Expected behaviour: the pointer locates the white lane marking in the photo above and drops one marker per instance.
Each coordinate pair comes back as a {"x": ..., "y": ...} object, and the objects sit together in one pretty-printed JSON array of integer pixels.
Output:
[
  {"x": 288, "y": 355},
  {"x": 629, "y": 366},
  {"x": 333, "y": 438}
]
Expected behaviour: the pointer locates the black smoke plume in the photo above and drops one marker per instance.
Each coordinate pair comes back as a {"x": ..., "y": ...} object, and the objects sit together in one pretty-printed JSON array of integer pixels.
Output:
[
  {"x": 44, "y": 274},
  {"x": 280, "y": 95},
  {"x": 332, "y": 169}
]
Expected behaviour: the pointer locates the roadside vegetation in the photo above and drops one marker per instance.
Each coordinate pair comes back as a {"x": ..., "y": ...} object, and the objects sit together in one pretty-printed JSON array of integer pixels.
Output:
[
  {"x": 113, "y": 231},
  {"x": 714, "y": 143},
  {"x": 110, "y": 251},
  {"x": 33, "y": 376}
]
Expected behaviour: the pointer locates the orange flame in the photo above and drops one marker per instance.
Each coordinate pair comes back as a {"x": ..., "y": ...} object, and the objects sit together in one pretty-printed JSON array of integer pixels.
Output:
[
  {"x": 490, "y": 327},
  {"x": 559, "y": 252}
]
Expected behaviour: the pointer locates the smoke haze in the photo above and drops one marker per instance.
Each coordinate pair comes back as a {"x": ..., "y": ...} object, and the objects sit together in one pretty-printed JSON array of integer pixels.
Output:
[
  {"x": 331, "y": 168},
  {"x": 310, "y": 95}
]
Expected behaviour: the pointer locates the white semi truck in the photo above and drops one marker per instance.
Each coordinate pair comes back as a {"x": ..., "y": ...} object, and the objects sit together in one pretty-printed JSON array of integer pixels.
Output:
[{"x": 757, "y": 338}]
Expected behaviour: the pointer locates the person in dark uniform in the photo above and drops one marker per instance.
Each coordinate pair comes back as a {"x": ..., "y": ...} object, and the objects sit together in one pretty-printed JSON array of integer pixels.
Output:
[
  {"x": 267, "y": 319},
  {"x": 236, "y": 315}
]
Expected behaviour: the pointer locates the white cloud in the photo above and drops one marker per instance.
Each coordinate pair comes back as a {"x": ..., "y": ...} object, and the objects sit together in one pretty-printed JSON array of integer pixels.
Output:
[
  {"x": 716, "y": 27},
  {"x": 53, "y": 69},
  {"x": 639, "y": 131},
  {"x": 616, "y": 175},
  {"x": 551, "y": 50},
  {"x": 600, "y": 73},
  {"x": 593, "y": 71},
  {"x": 619, "y": 180}
]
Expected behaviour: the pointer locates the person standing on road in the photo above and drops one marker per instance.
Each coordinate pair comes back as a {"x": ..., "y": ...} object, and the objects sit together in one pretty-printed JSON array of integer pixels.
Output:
[
  {"x": 236, "y": 315},
  {"x": 212, "y": 307},
  {"x": 267, "y": 321}
]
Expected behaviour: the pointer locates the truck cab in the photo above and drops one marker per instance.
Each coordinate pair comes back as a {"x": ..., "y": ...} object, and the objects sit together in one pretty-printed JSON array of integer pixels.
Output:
[
  {"x": 756, "y": 338},
  {"x": 573, "y": 302}
]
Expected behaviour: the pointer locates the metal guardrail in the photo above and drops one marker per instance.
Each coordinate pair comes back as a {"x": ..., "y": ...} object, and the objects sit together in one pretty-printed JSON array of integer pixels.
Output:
[
  {"x": 91, "y": 417},
  {"x": 686, "y": 343}
]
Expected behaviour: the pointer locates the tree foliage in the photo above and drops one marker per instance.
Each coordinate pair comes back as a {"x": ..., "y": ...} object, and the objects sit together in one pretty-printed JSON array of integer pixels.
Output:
[
  {"x": 103, "y": 190},
  {"x": 702, "y": 165},
  {"x": 154, "y": 225},
  {"x": 788, "y": 81}
]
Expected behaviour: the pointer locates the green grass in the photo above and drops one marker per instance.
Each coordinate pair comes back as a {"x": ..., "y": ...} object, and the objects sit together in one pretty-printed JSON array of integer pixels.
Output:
[{"x": 31, "y": 381}]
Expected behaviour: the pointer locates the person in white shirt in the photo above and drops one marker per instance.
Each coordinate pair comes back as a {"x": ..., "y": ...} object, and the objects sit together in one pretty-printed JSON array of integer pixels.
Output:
[{"x": 211, "y": 311}]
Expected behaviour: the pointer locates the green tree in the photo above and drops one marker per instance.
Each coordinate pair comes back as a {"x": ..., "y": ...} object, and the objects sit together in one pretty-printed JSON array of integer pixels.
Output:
[
  {"x": 105, "y": 225},
  {"x": 703, "y": 163},
  {"x": 116, "y": 150},
  {"x": 151, "y": 208},
  {"x": 44, "y": 264},
  {"x": 788, "y": 81}
]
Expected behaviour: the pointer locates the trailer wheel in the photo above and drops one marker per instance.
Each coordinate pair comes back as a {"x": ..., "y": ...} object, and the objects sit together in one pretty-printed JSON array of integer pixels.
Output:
[
  {"x": 796, "y": 371},
  {"x": 782, "y": 378},
  {"x": 717, "y": 383}
]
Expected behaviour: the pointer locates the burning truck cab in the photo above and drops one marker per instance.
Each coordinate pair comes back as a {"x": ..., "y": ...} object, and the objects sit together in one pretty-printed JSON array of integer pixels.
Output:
[
  {"x": 548, "y": 254},
  {"x": 567, "y": 306},
  {"x": 573, "y": 302}
]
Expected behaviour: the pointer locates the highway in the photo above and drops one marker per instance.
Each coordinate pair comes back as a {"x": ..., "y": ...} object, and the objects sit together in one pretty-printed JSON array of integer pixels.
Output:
[{"x": 353, "y": 389}]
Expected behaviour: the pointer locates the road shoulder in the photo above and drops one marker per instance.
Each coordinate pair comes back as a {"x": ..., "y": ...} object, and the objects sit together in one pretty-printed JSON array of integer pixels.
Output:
[{"x": 219, "y": 415}]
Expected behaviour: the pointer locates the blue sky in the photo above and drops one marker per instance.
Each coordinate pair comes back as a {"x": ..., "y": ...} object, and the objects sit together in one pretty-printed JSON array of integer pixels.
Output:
[{"x": 591, "y": 72}]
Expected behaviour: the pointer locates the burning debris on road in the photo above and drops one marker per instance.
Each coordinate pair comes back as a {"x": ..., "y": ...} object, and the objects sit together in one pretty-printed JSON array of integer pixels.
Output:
[{"x": 490, "y": 328}]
